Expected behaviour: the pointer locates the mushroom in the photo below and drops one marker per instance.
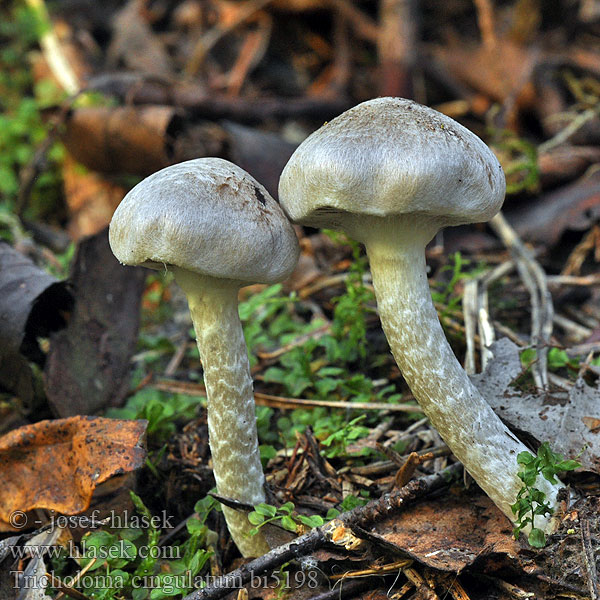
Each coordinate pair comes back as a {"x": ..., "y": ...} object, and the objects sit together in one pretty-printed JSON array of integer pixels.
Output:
[
  {"x": 217, "y": 229},
  {"x": 390, "y": 173}
]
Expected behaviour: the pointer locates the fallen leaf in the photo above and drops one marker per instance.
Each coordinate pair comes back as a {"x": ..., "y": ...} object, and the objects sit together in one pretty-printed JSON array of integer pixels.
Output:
[
  {"x": 497, "y": 72},
  {"x": 591, "y": 423},
  {"x": 88, "y": 364},
  {"x": 135, "y": 44},
  {"x": 449, "y": 533},
  {"x": 57, "y": 464},
  {"x": 32, "y": 304},
  {"x": 561, "y": 418},
  {"x": 91, "y": 199},
  {"x": 575, "y": 206}
]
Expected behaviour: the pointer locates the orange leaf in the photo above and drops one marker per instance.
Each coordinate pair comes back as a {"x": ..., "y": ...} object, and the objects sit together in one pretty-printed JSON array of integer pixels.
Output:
[{"x": 57, "y": 464}]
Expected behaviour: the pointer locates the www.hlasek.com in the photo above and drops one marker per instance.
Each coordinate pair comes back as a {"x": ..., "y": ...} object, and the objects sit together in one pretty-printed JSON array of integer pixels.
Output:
[
  {"x": 167, "y": 583},
  {"x": 120, "y": 549}
]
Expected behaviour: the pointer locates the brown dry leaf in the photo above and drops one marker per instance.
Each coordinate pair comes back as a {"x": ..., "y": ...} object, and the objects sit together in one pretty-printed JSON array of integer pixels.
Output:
[
  {"x": 497, "y": 72},
  {"x": 32, "y": 304},
  {"x": 57, "y": 464},
  {"x": 87, "y": 368},
  {"x": 449, "y": 533},
  {"x": 575, "y": 206},
  {"x": 134, "y": 43}
]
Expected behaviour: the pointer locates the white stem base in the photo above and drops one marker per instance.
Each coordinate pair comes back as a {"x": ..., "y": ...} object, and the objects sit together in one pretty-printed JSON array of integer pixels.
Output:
[{"x": 230, "y": 401}]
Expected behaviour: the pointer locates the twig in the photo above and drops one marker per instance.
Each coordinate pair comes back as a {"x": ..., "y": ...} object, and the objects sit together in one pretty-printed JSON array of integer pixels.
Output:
[
  {"x": 485, "y": 21},
  {"x": 583, "y": 349},
  {"x": 299, "y": 341},
  {"x": 420, "y": 584},
  {"x": 589, "y": 559},
  {"x": 476, "y": 312},
  {"x": 590, "y": 241},
  {"x": 197, "y": 389},
  {"x": 362, "y": 24},
  {"x": 252, "y": 51},
  {"x": 52, "y": 51},
  {"x": 293, "y": 403},
  {"x": 469, "y": 304},
  {"x": 542, "y": 309},
  {"x": 575, "y": 330},
  {"x": 376, "y": 570},
  {"x": 584, "y": 280},
  {"x": 564, "y": 134},
  {"x": 397, "y": 47},
  {"x": 211, "y": 37},
  {"x": 335, "y": 532}
]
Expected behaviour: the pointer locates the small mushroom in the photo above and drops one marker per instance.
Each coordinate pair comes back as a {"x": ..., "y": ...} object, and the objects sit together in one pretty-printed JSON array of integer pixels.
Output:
[
  {"x": 390, "y": 173},
  {"x": 218, "y": 230}
]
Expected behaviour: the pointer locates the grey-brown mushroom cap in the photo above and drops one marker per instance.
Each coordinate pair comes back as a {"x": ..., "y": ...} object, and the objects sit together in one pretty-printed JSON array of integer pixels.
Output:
[
  {"x": 392, "y": 156},
  {"x": 208, "y": 216}
]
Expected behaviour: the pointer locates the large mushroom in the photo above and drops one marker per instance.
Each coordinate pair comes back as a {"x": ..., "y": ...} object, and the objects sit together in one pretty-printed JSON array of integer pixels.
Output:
[
  {"x": 390, "y": 173},
  {"x": 218, "y": 230}
]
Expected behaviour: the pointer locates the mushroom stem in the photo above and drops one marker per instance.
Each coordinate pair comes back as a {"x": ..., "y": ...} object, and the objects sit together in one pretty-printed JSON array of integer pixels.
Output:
[
  {"x": 466, "y": 422},
  {"x": 230, "y": 409}
]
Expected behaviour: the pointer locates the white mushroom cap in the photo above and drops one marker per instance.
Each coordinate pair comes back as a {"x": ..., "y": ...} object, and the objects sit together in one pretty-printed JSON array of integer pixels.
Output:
[
  {"x": 392, "y": 156},
  {"x": 208, "y": 216}
]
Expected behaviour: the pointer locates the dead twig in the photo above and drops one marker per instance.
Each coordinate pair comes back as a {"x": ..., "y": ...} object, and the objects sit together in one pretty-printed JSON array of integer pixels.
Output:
[
  {"x": 335, "y": 532},
  {"x": 485, "y": 21},
  {"x": 362, "y": 24},
  {"x": 252, "y": 51},
  {"x": 196, "y": 389},
  {"x": 210, "y": 38},
  {"x": 589, "y": 560},
  {"x": 140, "y": 88},
  {"x": 542, "y": 309},
  {"x": 397, "y": 47},
  {"x": 53, "y": 52},
  {"x": 477, "y": 315}
]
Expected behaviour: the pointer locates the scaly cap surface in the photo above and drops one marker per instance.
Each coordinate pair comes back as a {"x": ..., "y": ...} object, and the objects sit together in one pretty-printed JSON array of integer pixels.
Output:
[
  {"x": 392, "y": 156},
  {"x": 208, "y": 216}
]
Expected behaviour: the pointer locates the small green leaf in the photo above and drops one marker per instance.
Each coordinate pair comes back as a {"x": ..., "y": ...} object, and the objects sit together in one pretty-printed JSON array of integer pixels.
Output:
[
  {"x": 549, "y": 473},
  {"x": 332, "y": 513},
  {"x": 256, "y": 518},
  {"x": 537, "y": 538},
  {"x": 195, "y": 526},
  {"x": 265, "y": 509},
  {"x": 311, "y": 521},
  {"x": 525, "y": 458},
  {"x": 287, "y": 508},
  {"x": 568, "y": 465},
  {"x": 288, "y": 523}
]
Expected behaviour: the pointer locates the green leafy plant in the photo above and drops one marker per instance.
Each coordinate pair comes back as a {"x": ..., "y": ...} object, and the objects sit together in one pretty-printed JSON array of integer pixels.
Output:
[
  {"x": 160, "y": 409},
  {"x": 558, "y": 361},
  {"x": 444, "y": 293},
  {"x": 519, "y": 160},
  {"x": 531, "y": 501},
  {"x": 286, "y": 516},
  {"x": 129, "y": 562},
  {"x": 351, "y": 309},
  {"x": 22, "y": 127},
  {"x": 336, "y": 443}
]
